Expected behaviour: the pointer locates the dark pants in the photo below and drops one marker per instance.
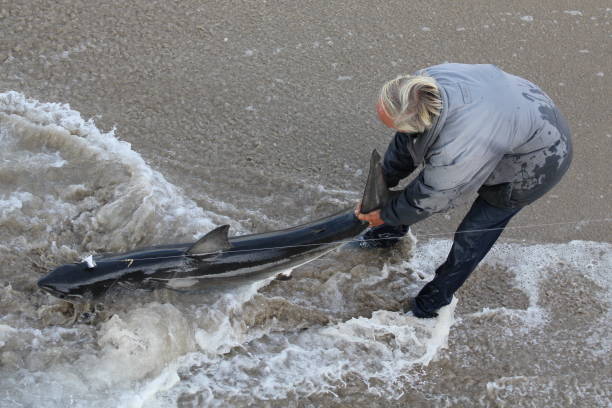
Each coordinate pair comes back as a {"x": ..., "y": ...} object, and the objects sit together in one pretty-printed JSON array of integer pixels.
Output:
[{"x": 477, "y": 233}]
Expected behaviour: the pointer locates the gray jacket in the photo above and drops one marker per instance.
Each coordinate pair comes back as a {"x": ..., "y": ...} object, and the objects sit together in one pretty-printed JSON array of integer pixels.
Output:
[{"x": 497, "y": 134}]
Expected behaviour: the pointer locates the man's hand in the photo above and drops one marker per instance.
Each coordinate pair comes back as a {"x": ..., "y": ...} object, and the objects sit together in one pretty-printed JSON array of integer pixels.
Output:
[{"x": 372, "y": 218}]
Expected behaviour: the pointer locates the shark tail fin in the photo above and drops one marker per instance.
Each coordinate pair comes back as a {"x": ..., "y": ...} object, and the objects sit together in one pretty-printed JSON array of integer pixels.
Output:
[{"x": 376, "y": 194}]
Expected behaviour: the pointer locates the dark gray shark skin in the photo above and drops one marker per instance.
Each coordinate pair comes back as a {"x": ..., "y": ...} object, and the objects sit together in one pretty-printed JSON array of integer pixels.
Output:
[
  {"x": 249, "y": 258},
  {"x": 216, "y": 261}
]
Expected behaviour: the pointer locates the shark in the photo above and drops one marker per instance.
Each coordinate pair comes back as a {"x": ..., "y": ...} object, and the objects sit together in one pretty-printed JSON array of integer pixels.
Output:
[{"x": 216, "y": 260}]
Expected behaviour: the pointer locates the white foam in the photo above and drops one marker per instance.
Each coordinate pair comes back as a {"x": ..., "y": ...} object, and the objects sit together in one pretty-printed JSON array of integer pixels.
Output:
[
  {"x": 383, "y": 347},
  {"x": 439, "y": 332},
  {"x": 530, "y": 265},
  {"x": 152, "y": 355},
  {"x": 220, "y": 327},
  {"x": 142, "y": 353},
  {"x": 138, "y": 344},
  {"x": 5, "y": 332},
  {"x": 61, "y": 169},
  {"x": 142, "y": 397},
  {"x": 573, "y": 12}
]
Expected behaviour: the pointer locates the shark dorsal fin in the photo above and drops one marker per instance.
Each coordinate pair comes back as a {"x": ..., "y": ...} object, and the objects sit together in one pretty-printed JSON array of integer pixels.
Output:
[{"x": 215, "y": 241}]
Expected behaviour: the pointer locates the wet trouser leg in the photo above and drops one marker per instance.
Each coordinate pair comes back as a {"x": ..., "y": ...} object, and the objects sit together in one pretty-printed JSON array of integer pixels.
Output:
[{"x": 477, "y": 233}]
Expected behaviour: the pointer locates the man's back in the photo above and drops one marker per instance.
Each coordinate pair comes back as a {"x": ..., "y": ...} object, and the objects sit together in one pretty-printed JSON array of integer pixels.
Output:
[{"x": 498, "y": 128}]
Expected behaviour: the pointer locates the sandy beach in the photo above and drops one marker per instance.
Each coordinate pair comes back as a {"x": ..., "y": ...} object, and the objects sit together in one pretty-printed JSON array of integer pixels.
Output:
[
  {"x": 261, "y": 114},
  {"x": 284, "y": 88}
]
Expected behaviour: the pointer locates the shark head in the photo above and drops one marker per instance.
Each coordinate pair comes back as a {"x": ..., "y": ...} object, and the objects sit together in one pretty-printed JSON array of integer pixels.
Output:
[
  {"x": 60, "y": 282},
  {"x": 93, "y": 277},
  {"x": 81, "y": 282}
]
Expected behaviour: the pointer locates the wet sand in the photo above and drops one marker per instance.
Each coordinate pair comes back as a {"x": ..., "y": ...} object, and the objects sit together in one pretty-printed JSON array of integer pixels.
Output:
[
  {"x": 246, "y": 89},
  {"x": 262, "y": 112}
]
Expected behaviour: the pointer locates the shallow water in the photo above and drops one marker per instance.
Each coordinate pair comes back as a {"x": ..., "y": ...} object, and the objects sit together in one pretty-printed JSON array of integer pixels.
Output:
[{"x": 531, "y": 327}]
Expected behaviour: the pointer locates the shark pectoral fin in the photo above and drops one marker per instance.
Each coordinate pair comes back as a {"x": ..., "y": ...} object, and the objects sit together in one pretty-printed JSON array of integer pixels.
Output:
[
  {"x": 215, "y": 241},
  {"x": 376, "y": 194}
]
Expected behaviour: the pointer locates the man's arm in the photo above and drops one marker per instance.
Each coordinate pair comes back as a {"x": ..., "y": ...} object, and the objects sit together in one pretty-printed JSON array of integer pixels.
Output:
[
  {"x": 398, "y": 162},
  {"x": 440, "y": 184}
]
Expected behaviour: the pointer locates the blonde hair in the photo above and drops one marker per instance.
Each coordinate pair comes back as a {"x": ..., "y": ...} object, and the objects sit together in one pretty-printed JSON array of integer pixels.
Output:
[{"x": 412, "y": 102}]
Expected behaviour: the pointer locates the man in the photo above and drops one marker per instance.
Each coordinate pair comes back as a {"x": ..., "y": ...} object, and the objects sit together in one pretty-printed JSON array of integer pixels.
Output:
[{"x": 473, "y": 128}]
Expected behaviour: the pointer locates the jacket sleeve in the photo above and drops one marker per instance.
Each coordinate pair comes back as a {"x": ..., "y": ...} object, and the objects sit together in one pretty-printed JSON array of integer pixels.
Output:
[
  {"x": 398, "y": 162},
  {"x": 442, "y": 181}
]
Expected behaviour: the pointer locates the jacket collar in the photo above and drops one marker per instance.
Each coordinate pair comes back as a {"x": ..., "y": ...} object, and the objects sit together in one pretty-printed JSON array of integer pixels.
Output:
[{"x": 418, "y": 144}]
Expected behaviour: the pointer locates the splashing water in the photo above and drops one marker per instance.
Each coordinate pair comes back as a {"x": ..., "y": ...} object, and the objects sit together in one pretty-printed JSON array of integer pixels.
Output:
[{"x": 334, "y": 331}]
